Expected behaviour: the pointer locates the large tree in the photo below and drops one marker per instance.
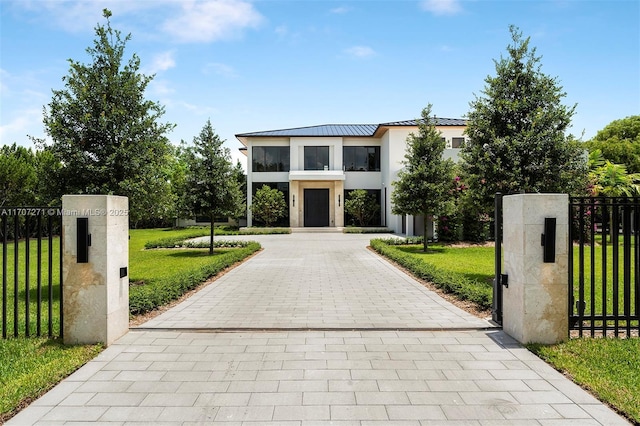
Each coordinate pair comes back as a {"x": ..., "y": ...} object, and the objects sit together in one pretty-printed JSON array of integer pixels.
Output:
[
  {"x": 106, "y": 134},
  {"x": 516, "y": 132},
  {"x": 18, "y": 176},
  {"x": 212, "y": 186},
  {"x": 619, "y": 142},
  {"x": 424, "y": 184}
]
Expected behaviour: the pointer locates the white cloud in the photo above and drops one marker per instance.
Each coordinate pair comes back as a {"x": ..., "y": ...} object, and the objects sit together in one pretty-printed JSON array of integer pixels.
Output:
[
  {"x": 360, "y": 51},
  {"x": 18, "y": 126},
  {"x": 206, "y": 21},
  {"x": 161, "y": 62},
  {"x": 80, "y": 15},
  {"x": 442, "y": 7},
  {"x": 160, "y": 87},
  {"x": 340, "y": 10},
  {"x": 281, "y": 30},
  {"x": 220, "y": 69}
]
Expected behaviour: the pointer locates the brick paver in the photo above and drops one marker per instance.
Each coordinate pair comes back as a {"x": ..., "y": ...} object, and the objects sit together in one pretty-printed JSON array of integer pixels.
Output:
[{"x": 320, "y": 331}]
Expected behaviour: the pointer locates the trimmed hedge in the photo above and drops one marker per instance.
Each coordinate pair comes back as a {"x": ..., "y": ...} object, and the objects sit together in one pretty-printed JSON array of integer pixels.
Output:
[
  {"x": 154, "y": 294},
  {"x": 264, "y": 231},
  {"x": 180, "y": 242},
  {"x": 367, "y": 230},
  {"x": 451, "y": 282}
]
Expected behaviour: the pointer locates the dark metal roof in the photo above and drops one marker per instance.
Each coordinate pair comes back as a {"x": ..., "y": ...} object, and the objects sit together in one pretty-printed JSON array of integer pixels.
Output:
[
  {"x": 439, "y": 122},
  {"x": 366, "y": 130},
  {"x": 323, "y": 130}
]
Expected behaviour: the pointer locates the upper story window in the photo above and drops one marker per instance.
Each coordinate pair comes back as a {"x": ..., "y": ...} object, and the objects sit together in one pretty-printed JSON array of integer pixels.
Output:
[
  {"x": 361, "y": 158},
  {"x": 270, "y": 159},
  {"x": 316, "y": 157},
  {"x": 457, "y": 142}
]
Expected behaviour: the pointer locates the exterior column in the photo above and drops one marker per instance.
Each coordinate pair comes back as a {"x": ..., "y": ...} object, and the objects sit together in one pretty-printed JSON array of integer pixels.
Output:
[
  {"x": 294, "y": 204},
  {"x": 339, "y": 210},
  {"x": 95, "y": 268},
  {"x": 535, "y": 301}
]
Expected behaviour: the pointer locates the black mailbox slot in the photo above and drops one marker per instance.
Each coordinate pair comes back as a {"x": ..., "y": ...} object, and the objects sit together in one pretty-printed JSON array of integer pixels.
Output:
[
  {"x": 549, "y": 240},
  {"x": 83, "y": 240}
]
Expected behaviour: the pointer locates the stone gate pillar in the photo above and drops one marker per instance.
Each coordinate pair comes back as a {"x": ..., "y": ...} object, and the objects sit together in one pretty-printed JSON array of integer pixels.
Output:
[
  {"x": 95, "y": 268},
  {"x": 535, "y": 302}
]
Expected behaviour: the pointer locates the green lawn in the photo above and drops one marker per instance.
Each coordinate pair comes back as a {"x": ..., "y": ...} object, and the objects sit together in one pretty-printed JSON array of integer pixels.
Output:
[
  {"x": 593, "y": 285},
  {"x": 31, "y": 366}
]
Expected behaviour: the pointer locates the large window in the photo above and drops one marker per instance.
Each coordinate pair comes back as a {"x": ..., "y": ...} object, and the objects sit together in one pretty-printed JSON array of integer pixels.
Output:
[
  {"x": 316, "y": 157},
  {"x": 361, "y": 158},
  {"x": 457, "y": 142},
  {"x": 270, "y": 159}
]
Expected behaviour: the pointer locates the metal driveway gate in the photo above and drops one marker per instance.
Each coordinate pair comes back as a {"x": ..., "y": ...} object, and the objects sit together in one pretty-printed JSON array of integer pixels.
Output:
[
  {"x": 604, "y": 284},
  {"x": 31, "y": 271}
]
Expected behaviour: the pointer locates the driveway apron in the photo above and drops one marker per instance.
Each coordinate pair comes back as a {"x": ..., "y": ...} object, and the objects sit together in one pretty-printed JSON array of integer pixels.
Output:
[{"x": 316, "y": 330}]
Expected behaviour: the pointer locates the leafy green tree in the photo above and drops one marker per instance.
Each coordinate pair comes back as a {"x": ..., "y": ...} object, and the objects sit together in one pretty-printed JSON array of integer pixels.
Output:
[
  {"x": 241, "y": 178},
  {"x": 211, "y": 184},
  {"x": 516, "y": 131},
  {"x": 362, "y": 206},
  {"x": 611, "y": 180},
  {"x": 104, "y": 132},
  {"x": 424, "y": 183},
  {"x": 619, "y": 142},
  {"x": 268, "y": 205},
  {"x": 18, "y": 176}
]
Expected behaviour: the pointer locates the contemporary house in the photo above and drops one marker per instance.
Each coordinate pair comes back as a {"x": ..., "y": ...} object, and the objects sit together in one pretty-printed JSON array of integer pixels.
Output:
[{"x": 316, "y": 167}]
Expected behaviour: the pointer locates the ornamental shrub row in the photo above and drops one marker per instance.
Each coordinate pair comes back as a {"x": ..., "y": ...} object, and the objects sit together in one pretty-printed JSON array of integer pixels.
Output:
[
  {"x": 151, "y": 295},
  {"x": 451, "y": 282}
]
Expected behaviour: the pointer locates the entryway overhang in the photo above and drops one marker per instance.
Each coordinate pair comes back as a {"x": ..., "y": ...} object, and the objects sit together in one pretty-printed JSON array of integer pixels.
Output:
[{"x": 326, "y": 175}]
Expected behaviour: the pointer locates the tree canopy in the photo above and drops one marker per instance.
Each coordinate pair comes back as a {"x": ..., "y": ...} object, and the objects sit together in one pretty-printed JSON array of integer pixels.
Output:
[
  {"x": 211, "y": 187},
  {"x": 268, "y": 205},
  {"x": 516, "y": 131},
  {"x": 362, "y": 206},
  {"x": 424, "y": 184},
  {"x": 106, "y": 135},
  {"x": 619, "y": 142}
]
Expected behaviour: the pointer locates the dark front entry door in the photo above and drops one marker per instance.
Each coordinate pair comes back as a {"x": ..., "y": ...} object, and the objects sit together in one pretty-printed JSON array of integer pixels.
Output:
[{"x": 316, "y": 207}]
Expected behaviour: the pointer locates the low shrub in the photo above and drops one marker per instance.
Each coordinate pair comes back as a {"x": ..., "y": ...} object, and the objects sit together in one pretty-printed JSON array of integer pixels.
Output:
[
  {"x": 151, "y": 295},
  {"x": 367, "y": 230},
  {"x": 264, "y": 231},
  {"x": 451, "y": 282}
]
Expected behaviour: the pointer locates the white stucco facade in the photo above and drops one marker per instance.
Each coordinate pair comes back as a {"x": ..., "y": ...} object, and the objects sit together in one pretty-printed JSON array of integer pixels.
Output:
[{"x": 331, "y": 176}]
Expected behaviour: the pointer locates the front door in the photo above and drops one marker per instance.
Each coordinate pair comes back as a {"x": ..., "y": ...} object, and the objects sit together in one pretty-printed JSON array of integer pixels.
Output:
[{"x": 316, "y": 207}]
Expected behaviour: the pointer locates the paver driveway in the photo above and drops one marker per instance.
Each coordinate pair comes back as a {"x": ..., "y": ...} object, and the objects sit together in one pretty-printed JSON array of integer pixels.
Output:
[
  {"x": 316, "y": 281},
  {"x": 316, "y": 330}
]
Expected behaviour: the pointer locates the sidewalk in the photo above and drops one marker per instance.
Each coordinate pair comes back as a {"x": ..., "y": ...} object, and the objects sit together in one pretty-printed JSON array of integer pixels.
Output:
[{"x": 316, "y": 330}]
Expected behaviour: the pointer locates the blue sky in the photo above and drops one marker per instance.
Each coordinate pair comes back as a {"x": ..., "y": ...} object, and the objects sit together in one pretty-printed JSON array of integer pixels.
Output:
[{"x": 263, "y": 65}]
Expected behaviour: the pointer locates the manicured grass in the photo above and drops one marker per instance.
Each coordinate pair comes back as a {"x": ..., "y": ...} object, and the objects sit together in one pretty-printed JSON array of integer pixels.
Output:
[
  {"x": 31, "y": 366},
  {"x": 609, "y": 368},
  {"x": 36, "y": 259},
  {"x": 475, "y": 262},
  {"x": 162, "y": 275},
  {"x": 593, "y": 295},
  {"x": 465, "y": 274}
]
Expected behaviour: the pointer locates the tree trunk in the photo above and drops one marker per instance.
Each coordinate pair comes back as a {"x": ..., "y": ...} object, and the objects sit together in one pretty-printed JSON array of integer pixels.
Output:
[
  {"x": 424, "y": 232},
  {"x": 211, "y": 236}
]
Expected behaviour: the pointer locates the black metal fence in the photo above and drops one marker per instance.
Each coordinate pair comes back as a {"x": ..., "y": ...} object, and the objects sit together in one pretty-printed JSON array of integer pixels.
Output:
[
  {"x": 604, "y": 286},
  {"x": 31, "y": 271}
]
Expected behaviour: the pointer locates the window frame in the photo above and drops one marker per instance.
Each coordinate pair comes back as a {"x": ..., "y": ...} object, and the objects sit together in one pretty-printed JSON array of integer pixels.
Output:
[
  {"x": 370, "y": 164},
  {"x": 281, "y": 155}
]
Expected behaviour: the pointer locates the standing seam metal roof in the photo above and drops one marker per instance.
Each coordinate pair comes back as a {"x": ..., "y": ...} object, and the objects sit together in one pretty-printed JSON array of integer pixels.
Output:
[{"x": 366, "y": 130}]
